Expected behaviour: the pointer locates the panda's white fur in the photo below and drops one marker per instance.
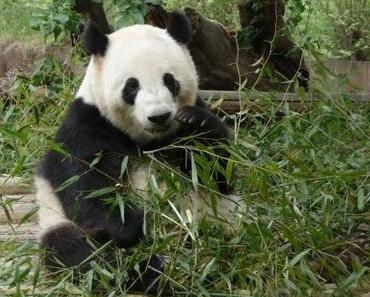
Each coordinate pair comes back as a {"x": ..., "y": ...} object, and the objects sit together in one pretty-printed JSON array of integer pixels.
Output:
[
  {"x": 51, "y": 213},
  {"x": 143, "y": 52},
  {"x": 196, "y": 201}
]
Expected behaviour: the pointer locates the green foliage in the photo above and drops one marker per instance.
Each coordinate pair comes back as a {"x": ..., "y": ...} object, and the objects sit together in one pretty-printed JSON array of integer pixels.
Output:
[
  {"x": 35, "y": 99},
  {"x": 130, "y": 12},
  {"x": 295, "y": 10},
  {"x": 15, "y": 17},
  {"x": 56, "y": 17},
  {"x": 224, "y": 11},
  {"x": 331, "y": 27},
  {"x": 336, "y": 29}
]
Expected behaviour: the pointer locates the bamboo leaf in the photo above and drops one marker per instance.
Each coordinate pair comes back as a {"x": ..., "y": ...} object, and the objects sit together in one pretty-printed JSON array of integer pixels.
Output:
[
  {"x": 100, "y": 192},
  {"x": 351, "y": 280},
  {"x": 123, "y": 167},
  {"x": 28, "y": 215},
  {"x": 102, "y": 271},
  {"x": 68, "y": 182},
  {"x": 57, "y": 148},
  {"x": 194, "y": 173},
  {"x": 207, "y": 269},
  {"x": 229, "y": 171},
  {"x": 361, "y": 199},
  {"x": 96, "y": 159},
  {"x": 36, "y": 276},
  {"x": 298, "y": 258},
  {"x": 121, "y": 206}
]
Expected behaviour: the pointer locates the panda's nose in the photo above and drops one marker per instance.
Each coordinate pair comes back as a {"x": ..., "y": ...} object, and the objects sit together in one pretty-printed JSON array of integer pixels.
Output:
[{"x": 160, "y": 118}]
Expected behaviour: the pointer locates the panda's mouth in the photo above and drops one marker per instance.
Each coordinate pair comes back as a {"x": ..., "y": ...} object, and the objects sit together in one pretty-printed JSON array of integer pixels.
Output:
[{"x": 158, "y": 130}]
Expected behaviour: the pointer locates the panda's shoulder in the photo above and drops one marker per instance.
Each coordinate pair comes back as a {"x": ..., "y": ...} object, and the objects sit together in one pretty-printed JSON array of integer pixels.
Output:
[
  {"x": 85, "y": 131},
  {"x": 84, "y": 118},
  {"x": 84, "y": 115}
]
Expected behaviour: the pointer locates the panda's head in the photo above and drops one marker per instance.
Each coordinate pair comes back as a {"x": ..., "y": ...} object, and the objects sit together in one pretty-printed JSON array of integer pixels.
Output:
[{"x": 140, "y": 76}]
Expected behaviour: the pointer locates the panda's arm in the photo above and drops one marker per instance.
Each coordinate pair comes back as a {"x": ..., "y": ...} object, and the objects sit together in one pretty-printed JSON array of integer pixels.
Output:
[
  {"x": 101, "y": 215},
  {"x": 94, "y": 215},
  {"x": 208, "y": 129}
]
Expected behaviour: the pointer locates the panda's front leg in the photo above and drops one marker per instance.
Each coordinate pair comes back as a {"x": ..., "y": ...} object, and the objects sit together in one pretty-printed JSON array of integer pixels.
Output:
[
  {"x": 208, "y": 129},
  {"x": 128, "y": 234}
]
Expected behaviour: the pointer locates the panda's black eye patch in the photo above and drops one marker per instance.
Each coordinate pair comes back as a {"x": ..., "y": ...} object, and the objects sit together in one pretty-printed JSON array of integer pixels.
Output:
[
  {"x": 171, "y": 83},
  {"x": 130, "y": 90}
]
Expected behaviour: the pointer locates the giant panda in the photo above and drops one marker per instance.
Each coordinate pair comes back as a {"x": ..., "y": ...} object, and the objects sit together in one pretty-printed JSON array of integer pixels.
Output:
[{"x": 139, "y": 93}]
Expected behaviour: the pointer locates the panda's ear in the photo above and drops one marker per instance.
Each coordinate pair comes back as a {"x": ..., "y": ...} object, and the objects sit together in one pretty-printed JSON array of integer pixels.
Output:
[
  {"x": 94, "y": 40},
  {"x": 179, "y": 27}
]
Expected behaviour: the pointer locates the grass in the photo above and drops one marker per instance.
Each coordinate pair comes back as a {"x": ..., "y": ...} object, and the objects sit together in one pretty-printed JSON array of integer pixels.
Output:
[
  {"x": 304, "y": 180},
  {"x": 15, "y": 18},
  {"x": 25, "y": 121}
]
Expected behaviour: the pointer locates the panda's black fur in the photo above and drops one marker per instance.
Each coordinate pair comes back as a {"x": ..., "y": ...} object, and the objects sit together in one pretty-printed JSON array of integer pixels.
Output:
[{"x": 84, "y": 134}]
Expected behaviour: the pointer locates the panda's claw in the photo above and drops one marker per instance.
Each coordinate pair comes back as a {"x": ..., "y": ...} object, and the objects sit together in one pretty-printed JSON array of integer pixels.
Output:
[
  {"x": 193, "y": 116},
  {"x": 183, "y": 117}
]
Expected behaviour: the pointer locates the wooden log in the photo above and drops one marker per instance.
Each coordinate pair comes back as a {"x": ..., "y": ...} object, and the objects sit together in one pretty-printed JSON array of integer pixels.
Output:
[
  {"x": 12, "y": 185},
  {"x": 27, "y": 231},
  {"x": 308, "y": 97},
  {"x": 18, "y": 208},
  {"x": 235, "y": 101}
]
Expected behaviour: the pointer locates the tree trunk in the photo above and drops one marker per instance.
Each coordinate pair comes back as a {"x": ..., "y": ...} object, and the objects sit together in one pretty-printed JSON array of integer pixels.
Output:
[{"x": 223, "y": 65}]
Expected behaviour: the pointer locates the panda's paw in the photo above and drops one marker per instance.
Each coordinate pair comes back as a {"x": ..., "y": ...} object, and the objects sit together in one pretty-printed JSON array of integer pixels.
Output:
[
  {"x": 194, "y": 116},
  {"x": 147, "y": 278},
  {"x": 67, "y": 244},
  {"x": 198, "y": 119}
]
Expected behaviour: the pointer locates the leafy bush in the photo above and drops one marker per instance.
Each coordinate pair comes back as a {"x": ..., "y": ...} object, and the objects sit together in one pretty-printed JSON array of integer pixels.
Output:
[
  {"x": 129, "y": 12},
  {"x": 56, "y": 17},
  {"x": 225, "y": 11},
  {"x": 336, "y": 29}
]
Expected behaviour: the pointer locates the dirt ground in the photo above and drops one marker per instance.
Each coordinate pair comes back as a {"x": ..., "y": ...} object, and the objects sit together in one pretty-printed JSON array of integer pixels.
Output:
[{"x": 17, "y": 57}]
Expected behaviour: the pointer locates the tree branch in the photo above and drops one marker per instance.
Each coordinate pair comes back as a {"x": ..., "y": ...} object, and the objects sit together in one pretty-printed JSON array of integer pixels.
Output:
[{"x": 95, "y": 12}]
